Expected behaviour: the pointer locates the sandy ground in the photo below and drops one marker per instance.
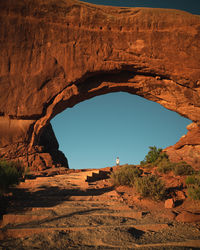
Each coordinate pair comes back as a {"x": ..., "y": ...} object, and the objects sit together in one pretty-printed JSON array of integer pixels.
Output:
[{"x": 65, "y": 212}]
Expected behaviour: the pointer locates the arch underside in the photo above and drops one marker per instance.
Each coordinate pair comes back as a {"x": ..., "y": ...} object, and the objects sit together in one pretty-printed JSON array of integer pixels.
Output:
[{"x": 160, "y": 89}]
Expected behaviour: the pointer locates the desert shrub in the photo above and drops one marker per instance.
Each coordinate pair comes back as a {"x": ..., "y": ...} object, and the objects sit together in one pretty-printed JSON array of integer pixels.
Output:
[
  {"x": 10, "y": 174},
  {"x": 182, "y": 168},
  {"x": 162, "y": 157},
  {"x": 151, "y": 186},
  {"x": 165, "y": 166},
  {"x": 152, "y": 155},
  {"x": 194, "y": 192},
  {"x": 193, "y": 179},
  {"x": 193, "y": 184},
  {"x": 125, "y": 175}
]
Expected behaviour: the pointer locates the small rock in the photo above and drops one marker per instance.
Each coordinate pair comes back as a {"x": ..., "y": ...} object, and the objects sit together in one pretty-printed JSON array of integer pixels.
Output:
[
  {"x": 180, "y": 195},
  {"x": 169, "y": 203}
]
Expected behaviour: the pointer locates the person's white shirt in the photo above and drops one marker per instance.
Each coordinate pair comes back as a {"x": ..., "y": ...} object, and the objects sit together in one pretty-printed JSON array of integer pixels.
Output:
[{"x": 117, "y": 161}]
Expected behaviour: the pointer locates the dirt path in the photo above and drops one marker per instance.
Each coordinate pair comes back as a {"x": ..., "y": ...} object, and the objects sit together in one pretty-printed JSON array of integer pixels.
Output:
[{"x": 64, "y": 212}]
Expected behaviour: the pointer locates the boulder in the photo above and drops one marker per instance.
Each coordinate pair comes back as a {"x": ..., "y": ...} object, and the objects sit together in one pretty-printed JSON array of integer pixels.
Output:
[{"x": 169, "y": 203}]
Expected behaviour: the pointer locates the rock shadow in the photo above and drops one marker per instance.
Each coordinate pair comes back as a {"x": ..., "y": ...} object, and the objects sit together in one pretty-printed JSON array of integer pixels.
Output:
[
  {"x": 54, "y": 218},
  {"x": 136, "y": 234},
  {"x": 24, "y": 199}
]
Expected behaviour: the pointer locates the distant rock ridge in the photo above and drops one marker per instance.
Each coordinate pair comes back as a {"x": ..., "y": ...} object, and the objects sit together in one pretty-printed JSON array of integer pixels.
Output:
[{"x": 55, "y": 54}]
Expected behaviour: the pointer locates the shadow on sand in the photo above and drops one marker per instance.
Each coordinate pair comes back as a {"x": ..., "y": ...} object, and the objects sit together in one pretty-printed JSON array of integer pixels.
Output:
[{"x": 23, "y": 199}]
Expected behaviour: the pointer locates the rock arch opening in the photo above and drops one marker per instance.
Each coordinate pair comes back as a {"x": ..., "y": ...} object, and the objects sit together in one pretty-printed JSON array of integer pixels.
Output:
[
  {"x": 93, "y": 133},
  {"x": 157, "y": 88}
]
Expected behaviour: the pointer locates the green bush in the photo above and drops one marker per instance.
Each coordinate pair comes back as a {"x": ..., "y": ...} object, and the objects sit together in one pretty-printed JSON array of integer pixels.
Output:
[
  {"x": 10, "y": 174},
  {"x": 156, "y": 157},
  {"x": 162, "y": 157},
  {"x": 165, "y": 166},
  {"x": 152, "y": 155},
  {"x": 125, "y": 175},
  {"x": 151, "y": 186},
  {"x": 182, "y": 168},
  {"x": 193, "y": 184},
  {"x": 194, "y": 192},
  {"x": 192, "y": 179}
]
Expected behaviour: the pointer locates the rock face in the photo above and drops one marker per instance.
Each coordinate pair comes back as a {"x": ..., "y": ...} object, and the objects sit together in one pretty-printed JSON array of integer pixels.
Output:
[
  {"x": 188, "y": 147},
  {"x": 55, "y": 54}
]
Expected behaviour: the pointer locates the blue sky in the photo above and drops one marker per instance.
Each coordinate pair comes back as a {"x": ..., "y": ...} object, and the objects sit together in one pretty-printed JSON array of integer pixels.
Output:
[{"x": 93, "y": 133}]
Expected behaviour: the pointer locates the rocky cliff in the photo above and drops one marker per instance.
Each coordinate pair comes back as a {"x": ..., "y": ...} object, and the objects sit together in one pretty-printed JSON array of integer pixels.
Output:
[{"x": 57, "y": 53}]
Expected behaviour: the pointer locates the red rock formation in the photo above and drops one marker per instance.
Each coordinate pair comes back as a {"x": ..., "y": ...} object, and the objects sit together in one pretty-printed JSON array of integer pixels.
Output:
[
  {"x": 188, "y": 147},
  {"x": 55, "y": 54}
]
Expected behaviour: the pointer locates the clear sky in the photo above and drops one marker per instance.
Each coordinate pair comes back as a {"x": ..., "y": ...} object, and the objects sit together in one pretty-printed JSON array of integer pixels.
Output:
[{"x": 93, "y": 133}]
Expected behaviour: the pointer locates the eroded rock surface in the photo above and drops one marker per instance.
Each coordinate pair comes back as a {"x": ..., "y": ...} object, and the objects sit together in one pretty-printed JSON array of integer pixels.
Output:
[
  {"x": 55, "y": 54},
  {"x": 187, "y": 148}
]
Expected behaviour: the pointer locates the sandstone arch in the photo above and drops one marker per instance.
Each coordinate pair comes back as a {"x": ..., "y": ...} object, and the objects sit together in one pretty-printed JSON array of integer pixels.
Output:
[{"x": 55, "y": 54}]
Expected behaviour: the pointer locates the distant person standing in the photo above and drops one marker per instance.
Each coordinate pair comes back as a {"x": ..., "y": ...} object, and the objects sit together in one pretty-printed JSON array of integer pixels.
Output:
[{"x": 117, "y": 161}]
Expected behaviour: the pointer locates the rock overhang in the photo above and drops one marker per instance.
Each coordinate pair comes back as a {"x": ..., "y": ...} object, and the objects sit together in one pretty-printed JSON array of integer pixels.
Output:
[{"x": 56, "y": 54}]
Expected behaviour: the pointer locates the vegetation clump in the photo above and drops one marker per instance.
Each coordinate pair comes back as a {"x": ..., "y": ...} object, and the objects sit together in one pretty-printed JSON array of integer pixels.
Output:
[
  {"x": 158, "y": 158},
  {"x": 10, "y": 174},
  {"x": 152, "y": 155},
  {"x": 182, "y": 168},
  {"x": 125, "y": 175},
  {"x": 193, "y": 186},
  {"x": 147, "y": 186},
  {"x": 151, "y": 186},
  {"x": 163, "y": 164}
]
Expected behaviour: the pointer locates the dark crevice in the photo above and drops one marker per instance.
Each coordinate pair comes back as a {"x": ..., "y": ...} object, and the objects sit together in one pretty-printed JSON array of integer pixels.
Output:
[
  {"x": 186, "y": 144},
  {"x": 25, "y": 117},
  {"x": 124, "y": 70},
  {"x": 9, "y": 65},
  {"x": 44, "y": 83},
  {"x": 186, "y": 86}
]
